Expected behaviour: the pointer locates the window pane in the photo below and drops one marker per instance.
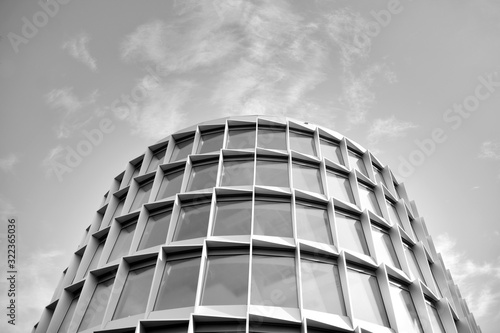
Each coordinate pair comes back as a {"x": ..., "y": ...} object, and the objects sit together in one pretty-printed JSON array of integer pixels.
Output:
[
  {"x": 241, "y": 139},
  {"x": 123, "y": 242},
  {"x": 226, "y": 280},
  {"x": 237, "y": 173},
  {"x": 95, "y": 258},
  {"x": 67, "y": 317},
  {"x": 321, "y": 287},
  {"x": 137, "y": 169},
  {"x": 178, "y": 285},
  {"x": 303, "y": 143},
  {"x": 192, "y": 222},
  {"x": 378, "y": 176},
  {"x": 118, "y": 209},
  {"x": 331, "y": 151},
  {"x": 272, "y": 173},
  {"x": 437, "y": 325},
  {"x": 406, "y": 314},
  {"x": 312, "y": 224},
  {"x": 233, "y": 218},
  {"x": 182, "y": 149},
  {"x": 142, "y": 196},
  {"x": 273, "y": 219},
  {"x": 366, "y": 299},
  {"x": 357, "y": 163},
  {"x": 97, "y": 305},
  {"x": 339, "y": 187},
  {"x": 210, "y": 142},
  {"x": 393, "y": 214},
  {"x": 413, "y": 264},
  {"x": 272, "y": 139},
  {"x": 156, "y": 230},
  {"x": 274, "y": 282},
  {"x": 134, "y": 296},
  {"x": 369, "y": 200},
  {"x": 202, "y": 176},
  {"x": 156, "y": 160},
  {"x": 307, "y": 178},
  {"x": 170, "y": 185},
  {"x": 350, "y": 234},
  {"x": 385, "y": 249}
]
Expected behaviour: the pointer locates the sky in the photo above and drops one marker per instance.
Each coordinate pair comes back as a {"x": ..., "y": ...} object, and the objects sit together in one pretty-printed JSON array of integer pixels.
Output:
[{"x": 86, "y": 86}]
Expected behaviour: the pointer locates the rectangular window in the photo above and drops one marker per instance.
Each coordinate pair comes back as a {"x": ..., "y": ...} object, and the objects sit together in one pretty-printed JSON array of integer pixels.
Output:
[
  {"x": 178, "y": 284},
  {"x": 357, "y": 163},
  {"x": 210, "y": 142},
  {"x": 119, "y": 208},
  {"x": 142, "y": 195},
  {"x": 134, "y": 296},
  {"x": 413, "y": 264},
  {"x": 97, "y": 306},
  {"x": 171, "y": 184},
  {"x": 436, "y": 323},
  {"x": 156, "y": 230},
  {"x": 233, "y": 218},
  {"x": 339, "y": 187},
  {"x": 366, "y": 299},
  {"x": 182, "y": 149},
  {"x": 95, "y": 258},
  {"x": 405, "y": 311},
  {"x": 272, "y": 173},
  {"x": 321, "y": 287},
  {"x": 273, "y": 218},
  {"x": 123, "y": 242},
  {"x": 64, "y": 327},
  {"x": 307, "y": 178},
  {"x": 237, "y": 172},
  {"x": 369, "y": 200},
  {"x": 303, "y": 143},
  {"x": 313, "y": 224},
  {"x": 241, "y": 138},
  {"x": 202, "y": 176},
  {"x": 393, "y": 214},
  {"x": 192, "y": 222},
  {"x": 350, "y": 234},
  {"x": 271, "y": 138},
  {"x": 379, "y": 176},
  {"x": 331, "y": 151},
  {"x": 274, "y": 282},
  {"x": 137, "y": 169},
  {"x": 226, "y": 280},
  {"x": 156, "y": 160},
  {"x": 385, "y": 249}
]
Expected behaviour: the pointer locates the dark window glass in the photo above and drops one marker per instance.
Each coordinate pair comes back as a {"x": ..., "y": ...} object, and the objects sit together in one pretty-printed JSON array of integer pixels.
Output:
[
  {"x": 272, "y": 173},
  {"x": 241, "y": 139},
  {"x": 350, "y": 234},
  {"x": 156, "y": 160},
  {"x": 357, "y": 163},
  {"x": 170, "y": 185},
  {"x": 156, "y": 230},
  {"x": 307, "y": 178},
  {"x": 415, "y": 271},
  {"x": 182, "y": 149},
  {"x": 369, "y": 200},
  {"x": 192, "y": 222},
  {"x": 134, "y": 296},
  {"x": 95, "y": 257},
  {"x": 123, "y": 242},
  {"x": 313, "y": 224},
  {"x": 405, "y": 312},
  {"x": 331, "y": 151},
  {"x": 272, "y": 138},
  {"x": 142, "y": 196},
  {"x": 272, "y": 218},
  {"x": 385, "y": 249},
  {"x": 67, "y": 317},
  {"x": 202, "y": 176},
  {"x": 233, "y": 218},
  {"x": 303, "y": 143},
  {"x": 437, "y": 325},
  {"x": 274, "y": 282},
  {"x": 95, "y": 310},
  {"x": 321, "y": 287},
  {"x": 178, "y": 284},
  {"x": 226, "y": 280},
  {"x": 339, "y": 187},
  {"x": 237, "y": 172},
  {"x": 210, "y": 142}
]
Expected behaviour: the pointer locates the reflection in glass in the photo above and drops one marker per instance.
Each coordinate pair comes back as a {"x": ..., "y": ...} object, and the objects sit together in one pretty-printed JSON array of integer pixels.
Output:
[
  {"x": 437, "y": 325},
  {"x": 272, "y": 218},
  {"x": 202, "y": 176},
  {"x": 271, "y": 138},
  {"x": 312, "y": 224},
  {"x": 241, "y": 139},
  {"x": 210, "y": 142},
  {"x": 142, "y": 196},
  {"x": 236, "y": 173},
  {"x": 178, "y": 284},
  {"x": 192, "y": 222},
  {"x": 233, "y": 218},
  {"x": 366, "y": 298},
  {"x": 274, "y": 282},
  {"x": 385, "y": 249},
  {"x": 339, "y": 187},
  {"x": 272, "y": 173},
  {"x": 67, "y": 317},
  {"x": 405, "y": 312},
  {"x": 321, "y": 287},
  {"x": 170, "y": 185},
  {"x": 123, "y": 242},
  {"x": 351, "y": 234},
  {"x": 331, "y": 151},
  {"x": 369, "y": 200},
  {"x": 357, "y": 163},
  {"x": 134, "y": 296},
  {"x": 182, "y": 149},
  {"x": 95, "y": 310},
  {"x": 303, "y": 143},
  {"x": 156, "y": 230},
  {"x": 156, "y": 160},
  {"x": 226, "y": 280},
  {"x": 307, "y": 178},
  {"x": 415, "y": 270}
]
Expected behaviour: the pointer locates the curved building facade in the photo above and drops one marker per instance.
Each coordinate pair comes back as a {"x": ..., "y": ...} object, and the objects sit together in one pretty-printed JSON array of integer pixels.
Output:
[{"x": 256, "y": 224}]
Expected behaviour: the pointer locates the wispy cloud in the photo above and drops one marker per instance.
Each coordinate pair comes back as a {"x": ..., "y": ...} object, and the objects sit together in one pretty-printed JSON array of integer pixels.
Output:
[
  {"x": 8, "y": 163},
  {"x": 77, "y": 47},
  {"x": 52, "y": 159},
  {"x": 389, "y": 128},
  {"x": 490, "y": 150}
]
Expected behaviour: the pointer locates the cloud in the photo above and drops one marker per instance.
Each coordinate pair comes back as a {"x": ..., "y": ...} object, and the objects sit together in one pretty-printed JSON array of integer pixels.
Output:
[
  {"x": 386, "y": 129},
  {"x": 490, "y": 150},
  {"x": 52, "y": 160},
  {"x": 77, "y": 47},
  {"x": 7, "y": 164}
]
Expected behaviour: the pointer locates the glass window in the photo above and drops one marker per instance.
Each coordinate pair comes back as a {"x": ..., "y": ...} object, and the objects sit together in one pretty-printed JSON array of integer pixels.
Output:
[
  {"x": 182, "y": 149},
  {"x": 272, "y": 138},
  {"x": 95, "y": 310},
  {"x": 436, "y": 286},
  {"x": 313, "y": 224},
  {"x": 226, "y": 280},
  {"x": 366, "y": 298},
  {"x": 307, "y": 178},
  {"x": 385, "y": 249},
  {"x": 378, "y": 176},
  {"x": 119, "y": 208},
  {"x": 415, "y": 270},
  {"x": 192, "y": 222},
  {"x": 369, "y": 200},
  {"x": 437, "y": 325},
  {"x": 178, "y": 284},
  {"x": 156, "y": 230},
  {"x": 134, "y": 296},
  {"x": 95, "y": 258},
  {"x": 274, "y": 282},
  {"x": 156, "y": 160},
  {"x": 142, "y": 196},
  {"x": 272, "y": 173},
  {"x": 350, "y": 234},
  {"x": 303, "y": 143},
  {"x": 393, "y": 214},
  {"x": 233, "y": 218},
  {"x": 202, "y": 176},
  {"x": 405, "y": 311},
  {"x": 241, "y": 138},
  {"x": 170, "y": 185},
  {"x": 123, "y": 242},
  {"x": 331, "y": 151},
  {"x": 321, "y": 287},
  {"x": 339, "y": 187},
  {"x": 67, "y": 317},
  {"x": 237, "y": 172},
  {"x": 357, "y": 163},
  {"x": 210, "y": 142},
  {"x": 272, "y": 218}
]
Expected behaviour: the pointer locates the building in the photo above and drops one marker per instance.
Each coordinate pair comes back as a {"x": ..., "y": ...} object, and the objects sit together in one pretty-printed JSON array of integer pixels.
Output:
[{"x": 256, "y": 224}]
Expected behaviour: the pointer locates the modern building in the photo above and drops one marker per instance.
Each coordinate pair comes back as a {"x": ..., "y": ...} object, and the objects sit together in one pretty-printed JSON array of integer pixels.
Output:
[{"x": 256, "y": 224}]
